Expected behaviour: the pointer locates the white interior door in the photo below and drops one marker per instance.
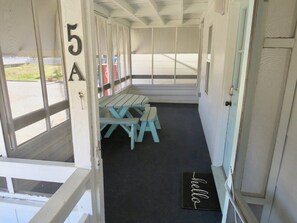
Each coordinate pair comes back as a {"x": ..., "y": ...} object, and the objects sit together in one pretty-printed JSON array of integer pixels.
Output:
[{"x": 235, "y": 87}]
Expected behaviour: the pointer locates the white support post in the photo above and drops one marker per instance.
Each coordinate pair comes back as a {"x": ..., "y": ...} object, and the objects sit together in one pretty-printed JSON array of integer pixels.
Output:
[
  {"x": 153, "y": 53},
  {"x": 2, "y": 142},
  {"x": 130, "y": 57},
  {"x": 3, "y": 153},
  {"x": 79, "y": 45},
  {"x": 175, "y": 56},
  {"x": 110, "y": 55},
  {"x": 74, "y": 37}
]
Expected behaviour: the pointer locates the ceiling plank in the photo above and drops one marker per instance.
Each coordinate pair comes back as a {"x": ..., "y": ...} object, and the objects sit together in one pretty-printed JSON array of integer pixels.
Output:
[
  {"x": 155, "y": 7},
  {"x": 126, "y": 7},
  {"x": 164, "y": 11}
]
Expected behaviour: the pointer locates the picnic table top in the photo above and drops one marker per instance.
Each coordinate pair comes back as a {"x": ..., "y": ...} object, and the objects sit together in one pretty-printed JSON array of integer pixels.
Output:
[{"x": 123, "y": 100}]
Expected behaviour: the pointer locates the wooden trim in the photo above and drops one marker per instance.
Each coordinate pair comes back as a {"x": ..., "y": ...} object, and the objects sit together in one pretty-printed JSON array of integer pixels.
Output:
[
  {"x": 3, "y": 147},
  {"x": 32, "y": 117},
  {"x": 28, "y": 119},
  {"x": 36, "y": 169},
  {"x": 116, "y": 82},
  {"x": 220, "y": 179},
  {"x": 106, "y": 86},
  {"x": 119, "y": 81},
  {"x": 26, "y": 197},
  {"x": 41, "y": 65},
  {"x": 279, "y": 43},
  {"x": 136, "y": 76},
  {"x": 245, "y": 209},
  {"x": 254, "y": 200},
  {"x": 60, "y": 106},
  {"x": 192, "y": 77},
  {"x": 163, "y": 76},
  {"x": 5, "y": 110}
]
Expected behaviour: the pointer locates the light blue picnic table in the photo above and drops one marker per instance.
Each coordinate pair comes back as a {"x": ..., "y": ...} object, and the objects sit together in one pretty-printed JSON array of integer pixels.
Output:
[{"x": 119, "y": 105}]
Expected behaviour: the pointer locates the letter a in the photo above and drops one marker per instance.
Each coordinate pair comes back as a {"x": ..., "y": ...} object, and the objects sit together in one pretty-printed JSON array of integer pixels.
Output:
[{"x": 76, "y": 70}]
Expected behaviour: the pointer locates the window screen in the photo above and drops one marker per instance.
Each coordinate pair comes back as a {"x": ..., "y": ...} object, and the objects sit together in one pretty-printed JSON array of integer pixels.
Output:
[
  {"x": 141, "y": 55},
  {"x": 164, "y": 55},
  {"x": 18, "y": 44},
  {"x": 187, "y": 55}
]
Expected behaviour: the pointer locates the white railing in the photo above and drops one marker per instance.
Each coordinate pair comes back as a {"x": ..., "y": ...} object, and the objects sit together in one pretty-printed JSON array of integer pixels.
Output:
[
  {"x": 242, "y": 212},
  {"x": 74, "y": 194}
]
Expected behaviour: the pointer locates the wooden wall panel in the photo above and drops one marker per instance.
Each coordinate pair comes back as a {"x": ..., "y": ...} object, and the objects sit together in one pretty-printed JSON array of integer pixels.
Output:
[
  {"x": 281, "y": 18},
  {"x": 265, "y": 117},
  {"x": 284, "y": 205}
]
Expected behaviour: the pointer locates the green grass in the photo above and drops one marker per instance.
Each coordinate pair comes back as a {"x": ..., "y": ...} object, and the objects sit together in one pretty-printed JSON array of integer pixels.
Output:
[{"x": 30, "y": 72}]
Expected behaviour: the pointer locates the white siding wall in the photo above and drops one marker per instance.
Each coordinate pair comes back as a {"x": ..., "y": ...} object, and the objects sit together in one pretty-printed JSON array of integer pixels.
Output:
[
  {"x": 285, "y": 200},
  {"x": 211, "y": 107},
  {"x": 268, "y": 99}
]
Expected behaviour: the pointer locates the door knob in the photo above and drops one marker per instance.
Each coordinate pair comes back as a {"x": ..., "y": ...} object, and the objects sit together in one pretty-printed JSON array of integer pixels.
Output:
[{"x": 228, "y": 103}]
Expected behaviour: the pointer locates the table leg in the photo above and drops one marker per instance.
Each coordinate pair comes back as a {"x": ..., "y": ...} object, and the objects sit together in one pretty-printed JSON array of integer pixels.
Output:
[
  {"x": 120, "y": 113},
  {"x": 110, "y": 130}
]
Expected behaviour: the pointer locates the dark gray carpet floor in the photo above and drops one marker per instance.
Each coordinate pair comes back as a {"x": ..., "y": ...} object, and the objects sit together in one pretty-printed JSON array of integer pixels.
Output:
[{"x": 144, "y": 185}]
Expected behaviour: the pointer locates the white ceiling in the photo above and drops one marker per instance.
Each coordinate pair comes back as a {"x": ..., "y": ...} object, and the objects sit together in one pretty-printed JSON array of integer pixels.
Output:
[{"x": 145, "y": 13}]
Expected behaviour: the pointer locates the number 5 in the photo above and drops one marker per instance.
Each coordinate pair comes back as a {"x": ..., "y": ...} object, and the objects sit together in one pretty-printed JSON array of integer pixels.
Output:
[{"x": 78, "y": 40}]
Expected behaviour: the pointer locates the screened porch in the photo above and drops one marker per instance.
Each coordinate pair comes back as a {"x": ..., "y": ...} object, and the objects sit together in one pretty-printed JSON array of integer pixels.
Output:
[{"x": 60, "y": 57}]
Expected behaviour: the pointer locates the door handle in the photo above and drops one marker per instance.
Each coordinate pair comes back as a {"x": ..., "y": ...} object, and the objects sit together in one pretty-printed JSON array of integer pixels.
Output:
[{"x": 228, "y": 103}]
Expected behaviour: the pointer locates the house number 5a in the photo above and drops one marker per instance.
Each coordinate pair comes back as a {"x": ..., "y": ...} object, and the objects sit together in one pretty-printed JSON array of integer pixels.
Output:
[
  {"x": 75, "y": 68},
  {"x": 75, "y": 38}
]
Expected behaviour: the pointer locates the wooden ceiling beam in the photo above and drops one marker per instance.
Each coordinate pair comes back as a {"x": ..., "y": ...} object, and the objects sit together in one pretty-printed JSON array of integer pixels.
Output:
[
  {"x": 127, "y": 8},
  {"x": 155, "y": 7}
]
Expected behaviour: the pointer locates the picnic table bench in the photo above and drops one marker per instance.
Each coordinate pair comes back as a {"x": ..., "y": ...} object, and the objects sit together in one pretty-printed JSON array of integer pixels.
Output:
[
  {"x": 149, "y": 122},
  {"x": 116, "y": 113}
]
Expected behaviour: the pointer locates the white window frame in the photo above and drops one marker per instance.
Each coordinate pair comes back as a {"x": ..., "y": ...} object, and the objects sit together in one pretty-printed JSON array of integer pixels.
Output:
[{"x": 10, "y": 124}]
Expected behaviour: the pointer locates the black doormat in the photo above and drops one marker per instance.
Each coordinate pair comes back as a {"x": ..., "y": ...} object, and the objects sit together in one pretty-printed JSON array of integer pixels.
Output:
[{"x": 199, "y": 191}]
